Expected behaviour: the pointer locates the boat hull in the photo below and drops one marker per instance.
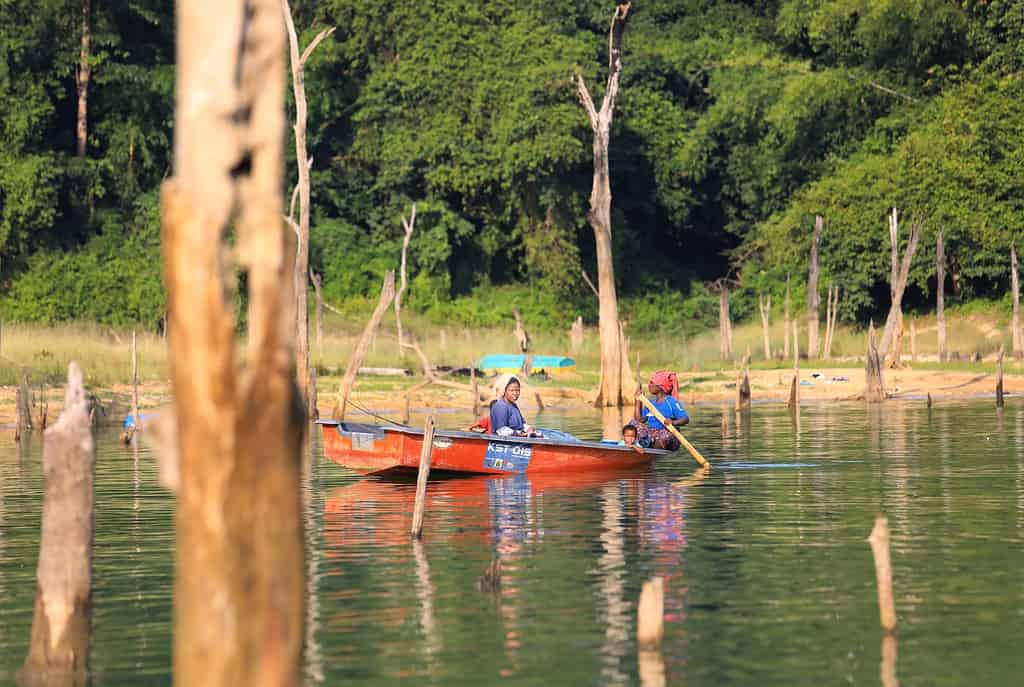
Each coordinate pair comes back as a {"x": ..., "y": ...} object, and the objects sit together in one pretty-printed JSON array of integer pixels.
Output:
[{"x": 371, "y": 449}]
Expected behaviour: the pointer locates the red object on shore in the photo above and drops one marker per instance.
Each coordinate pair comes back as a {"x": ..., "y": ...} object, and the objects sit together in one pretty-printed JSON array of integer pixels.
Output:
[{"x": 372, "y": 449}]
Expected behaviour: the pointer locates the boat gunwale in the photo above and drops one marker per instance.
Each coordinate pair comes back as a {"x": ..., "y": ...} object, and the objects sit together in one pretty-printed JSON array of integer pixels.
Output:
[{"x": 462, "y": 434}]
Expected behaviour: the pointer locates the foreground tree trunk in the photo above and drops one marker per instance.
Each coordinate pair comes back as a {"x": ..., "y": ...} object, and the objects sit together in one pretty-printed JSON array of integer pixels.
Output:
[
  {"x": 813, "y": 300},
  {"x": 610, "y": 392},
  {"x": 238, "y": 594},
  {"x": 900, "y": 271},
  {"x": 301, "y": 228},
  {"x": 1018, "y": 336},
  {"x": 82, "y": 77},
  {"x": 940, "y": 293},
  {"x": 61, "y": 623}
]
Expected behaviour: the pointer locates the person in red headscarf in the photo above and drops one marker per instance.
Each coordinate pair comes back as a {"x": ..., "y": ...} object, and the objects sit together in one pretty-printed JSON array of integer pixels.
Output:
[{"x": 664, "y": 386}]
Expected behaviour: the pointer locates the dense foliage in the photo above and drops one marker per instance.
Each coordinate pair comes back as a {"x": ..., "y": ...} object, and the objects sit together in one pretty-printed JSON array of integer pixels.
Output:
[{"x": 737, "y": 122}]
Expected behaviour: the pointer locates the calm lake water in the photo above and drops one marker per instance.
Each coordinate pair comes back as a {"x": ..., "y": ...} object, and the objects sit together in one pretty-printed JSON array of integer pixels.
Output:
[{"x": 768, "y": 575}]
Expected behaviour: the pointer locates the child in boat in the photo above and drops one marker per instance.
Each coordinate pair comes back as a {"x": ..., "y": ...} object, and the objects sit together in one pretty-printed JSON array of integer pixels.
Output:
[
  {"x": 482, "y": 425},
  {"x": 629, "y": 439}
]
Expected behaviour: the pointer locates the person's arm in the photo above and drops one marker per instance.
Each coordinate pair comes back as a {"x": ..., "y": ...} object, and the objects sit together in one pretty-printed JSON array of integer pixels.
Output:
[
  {"x": 638, "y": 409},
  {"x": 499, "y": 416},
  {"x": 679, "y": 415}
]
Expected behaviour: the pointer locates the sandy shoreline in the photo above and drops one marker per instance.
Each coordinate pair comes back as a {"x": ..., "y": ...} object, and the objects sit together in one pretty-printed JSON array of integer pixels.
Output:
[{"x": 767, "y": 386}]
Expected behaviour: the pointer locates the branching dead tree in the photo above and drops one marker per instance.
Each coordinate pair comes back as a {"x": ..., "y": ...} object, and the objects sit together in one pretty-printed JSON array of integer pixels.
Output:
[
  {"x": 408, "y": 226},
  {"x": 61, "y": 623},
  {"x": 813, "y": 299},
  {"x": 940, "y": 293},
  {"x": 83, "y": 74},
  {"x": 301, "y": 228},
  {"x": 387, "y": 294},
  {"x": 613, "y": 385},
  {"x": 899, "y": 273},
  {"x": 765, "y": 306},
  {"x": 238, "y": 596}
]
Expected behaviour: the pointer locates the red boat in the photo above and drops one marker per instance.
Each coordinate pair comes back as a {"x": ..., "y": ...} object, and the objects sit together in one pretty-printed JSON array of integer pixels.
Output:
[{"x": 372, "y": 449}]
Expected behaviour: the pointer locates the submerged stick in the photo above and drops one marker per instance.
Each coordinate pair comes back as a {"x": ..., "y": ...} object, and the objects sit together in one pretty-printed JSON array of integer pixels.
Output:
[
  {"x": 879, "y": 540},
  {"x": 421, "y": 478},
  {"x": 671, "y": 428}
]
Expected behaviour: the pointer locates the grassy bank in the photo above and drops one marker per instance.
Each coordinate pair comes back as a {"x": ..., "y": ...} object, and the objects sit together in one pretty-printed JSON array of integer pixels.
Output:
[{"x": 104, "y": 352}]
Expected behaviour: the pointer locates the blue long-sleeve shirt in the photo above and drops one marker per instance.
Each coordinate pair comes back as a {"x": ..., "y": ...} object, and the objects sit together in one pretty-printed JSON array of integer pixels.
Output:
[
  {"x": 505, "y": 414},
  {"x": 670, "y": 408}
]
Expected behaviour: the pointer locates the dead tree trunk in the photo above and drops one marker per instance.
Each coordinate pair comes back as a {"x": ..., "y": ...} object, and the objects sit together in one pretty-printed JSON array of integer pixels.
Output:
[
  {"x": 408, "y": 226},
  {"x": 913, "y": 342},
  {"x": 899, "y": 272},
  {"x": 576, "y": 336},
  {"x": 238, "y": 595},
  {"x": 813, "y": 300},
  {"x": 999, "y": 379},
  {"x": 874, "y": 390},
  {"x": 610, "y": 392},
  {"x": 135, "y": 386},
  {"x": 785, "y": 323},
  {"x": 765, "y": 306},
  {"x": 743, "y": 385},
  {"x": 794, "y": 389},
  {"x": 831, "y": 297},
  {"x": 303, "y": 162},
  {"x": 940, "y": 293},
  {"x": 61, "y": 623},
  {"x": 82, "y": 76},
  {"x": 1018, "y": 336},
  {"x": 23, "y": 407},
  {"x": 724, "y": 324},
  {"x": 315, "y": 279},
  {"x": 387, "y": 294}
]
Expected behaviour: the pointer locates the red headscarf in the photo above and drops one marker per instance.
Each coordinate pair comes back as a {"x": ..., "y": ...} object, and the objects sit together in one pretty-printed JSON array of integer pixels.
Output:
[{"x": 667, "y": 381}]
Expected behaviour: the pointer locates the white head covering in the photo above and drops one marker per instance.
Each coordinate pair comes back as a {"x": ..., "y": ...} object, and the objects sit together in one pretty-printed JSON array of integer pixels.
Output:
[{"x": 501, "y": 383}]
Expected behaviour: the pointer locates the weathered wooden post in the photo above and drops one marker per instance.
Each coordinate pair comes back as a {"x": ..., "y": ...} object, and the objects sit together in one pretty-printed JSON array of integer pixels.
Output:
[
  {"x": 913, "y": 342},
  {"x": 743, "y": 385},
  {"x": 785, "y": 322},
  {"x": 765, "y": 306},
  {"x": 940, "y": 293},
  {"x": 794, "y": 389},
  {"x": 421, "y": 477},
  {"x": 387, "y": 294},
  {"x": 813, "y": 299},
  {"x": 23, "y": 408},
  {"x": 1018, "y": 336},
  {"x": 724, "y": 324},
  {"x": 476, "y": 389},
  {"x": 61, "y": 623},
  {"x": 650, "y": 630},
  {"x": 318, "y": 292},
  {"x": 879, "y": 540},
  {"x": 874, "y": 390},
  {"x": 576, "y": 335},
  {"x": 238, "y": 595},
  {"x": 999, "y": 379},
  {"x": 408, "y": 226},
  {"x": 136, "y": 419}
]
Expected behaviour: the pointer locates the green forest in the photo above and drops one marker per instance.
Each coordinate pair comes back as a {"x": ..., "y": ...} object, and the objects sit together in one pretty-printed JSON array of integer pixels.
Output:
[{"x": 736, "y": 123}]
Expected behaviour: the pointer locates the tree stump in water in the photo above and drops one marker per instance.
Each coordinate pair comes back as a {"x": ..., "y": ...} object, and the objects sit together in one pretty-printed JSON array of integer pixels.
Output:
[{"x": 874, "y": 391}]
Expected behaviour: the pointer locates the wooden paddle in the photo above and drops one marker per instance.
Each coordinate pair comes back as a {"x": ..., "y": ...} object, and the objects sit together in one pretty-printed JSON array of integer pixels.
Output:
[{"x": 670, "y": 427}]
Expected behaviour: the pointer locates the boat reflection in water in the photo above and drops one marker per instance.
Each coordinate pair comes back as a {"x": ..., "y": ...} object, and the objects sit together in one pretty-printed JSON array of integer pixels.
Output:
[{"x": 590, "y": 522}]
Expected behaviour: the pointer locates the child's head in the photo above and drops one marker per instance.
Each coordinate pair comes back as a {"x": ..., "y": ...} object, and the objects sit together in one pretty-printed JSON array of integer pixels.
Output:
[{"x": 629, "y": 434}]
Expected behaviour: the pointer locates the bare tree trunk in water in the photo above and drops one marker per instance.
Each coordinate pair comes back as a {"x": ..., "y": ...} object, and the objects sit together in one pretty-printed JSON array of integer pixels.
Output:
[
  {"x": 409, "y": 226},
  {"x": 766, "y": 309},
  {"x": 610, "y": 392},
  {"x": 940, "y": 293},
  {"x": 785, "y": 323},
  {"x": 900, "y": 271},
  {"x": 1018, "y": 336},
  {"x": 303, "y": 162},
  {"x": 874, "y": 390},
  {"x": 813, "y": 300},
  {"x": 82, "y": 77},
  {"x": 62, "y": 620},
  {"x": 238, "y": 590},
  {"x": 724, "y": 324}
]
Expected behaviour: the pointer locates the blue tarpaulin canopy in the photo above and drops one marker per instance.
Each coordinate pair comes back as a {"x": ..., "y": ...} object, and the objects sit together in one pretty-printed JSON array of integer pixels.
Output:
[{"x": 552, "y": 364}]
